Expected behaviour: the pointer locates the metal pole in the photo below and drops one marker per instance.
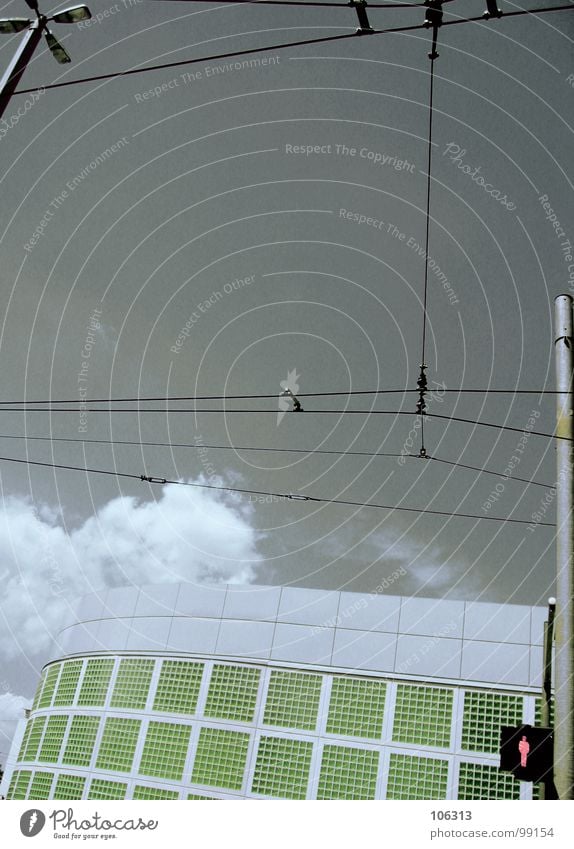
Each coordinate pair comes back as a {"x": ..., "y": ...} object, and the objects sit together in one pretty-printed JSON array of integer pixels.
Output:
[
  {"x": 564, "y": 663},
  {"x": 545, "y": 790},
  {"x": 13, "y": 73}
]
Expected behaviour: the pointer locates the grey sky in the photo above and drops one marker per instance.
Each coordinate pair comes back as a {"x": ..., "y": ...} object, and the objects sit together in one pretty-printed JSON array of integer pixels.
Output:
[{"x": 132, "y": 208}]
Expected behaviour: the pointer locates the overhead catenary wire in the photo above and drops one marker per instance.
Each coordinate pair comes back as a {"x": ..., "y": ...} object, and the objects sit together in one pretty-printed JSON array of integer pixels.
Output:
[
  {"x": 256, "y": 396},
  {"x": 280, "y": 495},
  {"x": 322, "y": 40},
  {"x": 271, "y": 450},
  {"x": 226, "y": 412}
]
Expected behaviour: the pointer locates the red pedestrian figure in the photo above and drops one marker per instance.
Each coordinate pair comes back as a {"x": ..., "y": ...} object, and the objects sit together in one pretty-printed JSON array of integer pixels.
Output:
[{"x": 523, "y": 748}]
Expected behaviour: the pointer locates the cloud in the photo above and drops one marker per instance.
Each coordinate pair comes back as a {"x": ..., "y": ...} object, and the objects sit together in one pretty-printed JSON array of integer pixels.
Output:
[
  {"x": 11, "y": 710},
  {"x": 187, "y": 534}
]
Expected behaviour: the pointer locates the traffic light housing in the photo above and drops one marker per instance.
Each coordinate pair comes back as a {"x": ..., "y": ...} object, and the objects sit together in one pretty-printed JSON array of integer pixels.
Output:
[{"x": 527, "y": 752}]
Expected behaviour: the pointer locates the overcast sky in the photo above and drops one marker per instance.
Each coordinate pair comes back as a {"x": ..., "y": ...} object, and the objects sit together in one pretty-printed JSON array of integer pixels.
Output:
[{"x": 211, "y": 229}]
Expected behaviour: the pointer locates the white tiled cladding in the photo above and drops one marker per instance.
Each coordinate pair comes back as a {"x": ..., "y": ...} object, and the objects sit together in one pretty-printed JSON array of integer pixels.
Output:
[
  {"x": 369, "y": 612},
  {"x": 113, "y": 633},
  {"x": 77, "y": 639},
  {"x": 432, "y": 656},
  {"x": 149, "y": 633},
  {"x": 198, "y": 600},
  {"x": 364, "y": 650},
  {"x": 193, "y": 635},
  {"x": 500, "y": 623},
  {"x": 120, "y": 602},
  {"x": 305, "y": 644},
  {"x": 503, "y": 663},
  {"x": 245, "y": 639},
  {"x": 308, "y": 607},
  {"x": 90, "y": 606},
  {"x": 157, "y": 600},
  {"x": 432, "y": 617},
  {"x": 315, "y": 627},
  {"x": 251, "y": 602}
]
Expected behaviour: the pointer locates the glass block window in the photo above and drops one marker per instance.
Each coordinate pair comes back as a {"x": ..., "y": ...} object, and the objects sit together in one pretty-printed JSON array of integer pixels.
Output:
[
  {"x": 39, "y": 691},
  {"x": 41, "y": 785},
  {"x": 232, "y": 692},
  {"x": 348, "y": 773},
  {"x": 480, "y": 781},
  {"x": 220, "y": 759},
  {"x": 132, "y": 683},
  {"x": 423, "y": 715},
  {"x": 356, "y": 708},
  {"x": 118, "y": 744},
  {"x": 165, "y": 750},
  {"x": 100, "y": 789},
  {"x": 81, "y": 740},
  {"x": 282, "y": 768},
  {"x": 68, "y": 683},
  {"x": 34, "y": 737},
  {"x": 178, "y": 687},
  {"x": 94, "y": 687},
  {"x": 52, "y": 742},
  {"x": 538, "y": 713},
  {"x": 25, "y": 739},
  {"x": 69, "y": 787},
  {"x": 142, "y": 792},
  {"x": 19, "y": 784},
  {"x": 45, "y": 699},
  {"x": 484, "y": 714},
  {"x": 412, "y": 777},
  {"x": 293, "y": 700}
]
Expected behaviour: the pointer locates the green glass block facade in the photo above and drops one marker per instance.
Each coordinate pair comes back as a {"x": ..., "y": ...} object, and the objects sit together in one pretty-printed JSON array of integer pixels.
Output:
[{"x": 147, "y": 725}]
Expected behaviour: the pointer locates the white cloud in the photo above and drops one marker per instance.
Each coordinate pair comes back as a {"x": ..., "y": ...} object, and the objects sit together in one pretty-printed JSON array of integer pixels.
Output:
[
  {"x": 11, "y": 710},
  {"x": 187, "y": 534}
]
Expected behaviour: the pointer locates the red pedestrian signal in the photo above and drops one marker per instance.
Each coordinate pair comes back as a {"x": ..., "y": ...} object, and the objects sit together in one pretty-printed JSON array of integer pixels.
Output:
[{"x": 527, "y": 752}]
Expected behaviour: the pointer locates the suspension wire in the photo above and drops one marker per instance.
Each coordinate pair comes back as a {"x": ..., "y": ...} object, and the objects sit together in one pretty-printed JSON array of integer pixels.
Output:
[
  {"x": 131, "y": 71},
  {"x": 349, "y": 393},
  {"x": 274, "y": 413},
  {"x": 308, "y": 452},
  {"x": 281, "y": 495}
]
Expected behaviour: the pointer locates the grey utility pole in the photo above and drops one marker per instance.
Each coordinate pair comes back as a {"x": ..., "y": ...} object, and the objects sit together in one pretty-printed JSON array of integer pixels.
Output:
[{"x": 564, "y": 663}]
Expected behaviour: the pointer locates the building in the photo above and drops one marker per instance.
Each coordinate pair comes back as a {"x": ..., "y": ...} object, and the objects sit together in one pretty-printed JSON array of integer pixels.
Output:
[{"x": 193, "y": 692}]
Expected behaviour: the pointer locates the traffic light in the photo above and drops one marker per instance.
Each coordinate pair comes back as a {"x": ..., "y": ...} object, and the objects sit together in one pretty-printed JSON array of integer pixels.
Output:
[{"x": 527, "y": 752}]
